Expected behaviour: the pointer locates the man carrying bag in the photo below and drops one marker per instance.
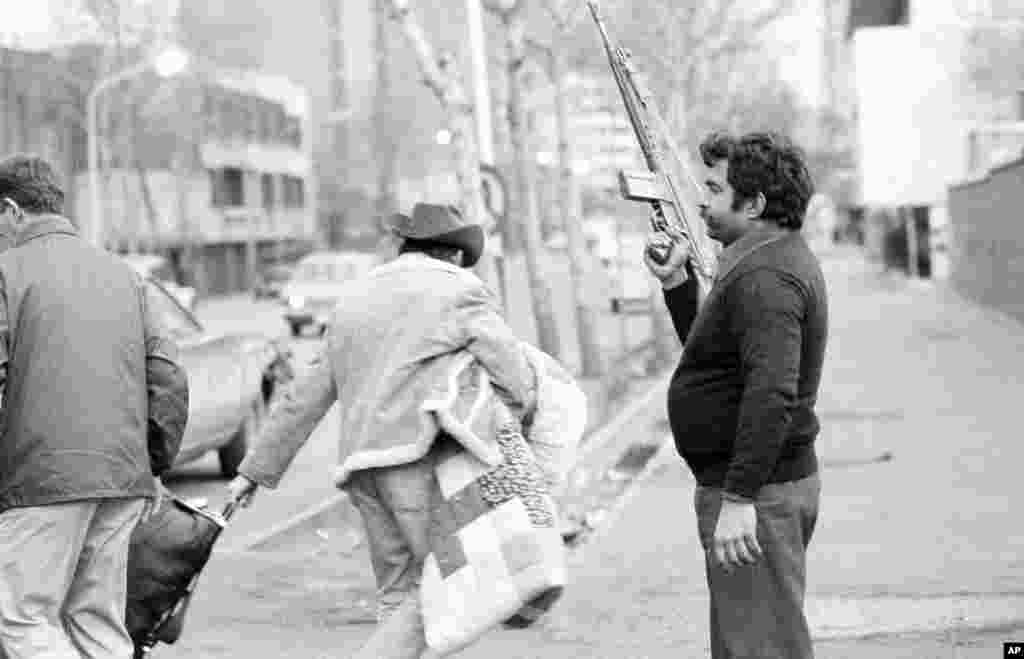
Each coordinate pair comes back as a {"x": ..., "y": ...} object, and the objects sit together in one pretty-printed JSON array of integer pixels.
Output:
[{"x": 395, "y": 336}]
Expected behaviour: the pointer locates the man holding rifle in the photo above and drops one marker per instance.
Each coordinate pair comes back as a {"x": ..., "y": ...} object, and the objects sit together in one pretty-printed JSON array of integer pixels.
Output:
[{"x": 741, "y": 401}]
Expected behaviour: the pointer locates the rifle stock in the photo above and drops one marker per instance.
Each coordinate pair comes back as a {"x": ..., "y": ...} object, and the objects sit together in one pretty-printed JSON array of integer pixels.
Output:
[{"x": 672, "y": 210}]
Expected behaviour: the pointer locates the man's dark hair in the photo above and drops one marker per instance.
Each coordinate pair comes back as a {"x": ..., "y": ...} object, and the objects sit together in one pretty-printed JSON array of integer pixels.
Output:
[
  {"x": 31, "y": 182},
  {"x": 433, "y": 249},
  {"x": 766, "y": 163}
]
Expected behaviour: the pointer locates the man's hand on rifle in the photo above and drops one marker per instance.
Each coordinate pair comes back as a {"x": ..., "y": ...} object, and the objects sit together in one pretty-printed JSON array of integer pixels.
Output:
[{"x": 672, "y": 272}]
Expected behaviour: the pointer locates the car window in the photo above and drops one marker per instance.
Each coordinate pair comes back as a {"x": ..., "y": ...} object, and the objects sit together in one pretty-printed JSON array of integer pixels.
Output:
[
  {"x": 313, "y": 272},
  {"x": 163, "y": 272},
  {"x": 177, "y": 321},
  {"x": 340, "y": 270}
]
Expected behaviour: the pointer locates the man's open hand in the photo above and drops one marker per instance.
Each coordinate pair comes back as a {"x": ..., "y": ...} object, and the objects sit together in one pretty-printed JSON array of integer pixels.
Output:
[{"x": 735, "y": 542}]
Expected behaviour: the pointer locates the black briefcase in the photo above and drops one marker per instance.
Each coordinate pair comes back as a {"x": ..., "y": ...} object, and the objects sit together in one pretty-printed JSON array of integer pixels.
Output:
[{"x": 167, "y": 553}]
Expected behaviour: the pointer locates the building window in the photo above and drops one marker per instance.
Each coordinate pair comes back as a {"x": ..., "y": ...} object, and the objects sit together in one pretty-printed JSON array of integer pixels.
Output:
[
  {"x": 294, "y": 191},
  {"x": 267, "y": 183},
  {"x": 227, "y": 187},
  {"x": 293, "y": 131}
]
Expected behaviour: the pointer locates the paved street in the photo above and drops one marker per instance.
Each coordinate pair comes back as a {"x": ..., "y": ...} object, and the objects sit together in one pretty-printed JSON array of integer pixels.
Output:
[
  {"x": 308, "y": 481},
  {"x": 916, "y": 553}
]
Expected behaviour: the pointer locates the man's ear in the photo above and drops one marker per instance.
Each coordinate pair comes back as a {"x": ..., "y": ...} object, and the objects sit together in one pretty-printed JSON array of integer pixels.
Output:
[{"x": 755, "y": 206}]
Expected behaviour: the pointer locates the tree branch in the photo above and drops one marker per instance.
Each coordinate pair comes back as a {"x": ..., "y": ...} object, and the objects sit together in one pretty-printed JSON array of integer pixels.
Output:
[
  {"x": 433, "y": 69},
  {"x": 502, "y": 7}
]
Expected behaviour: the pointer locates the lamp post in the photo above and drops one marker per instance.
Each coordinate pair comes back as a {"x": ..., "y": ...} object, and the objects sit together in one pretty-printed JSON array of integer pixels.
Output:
[{"x": 166, "y": 63}]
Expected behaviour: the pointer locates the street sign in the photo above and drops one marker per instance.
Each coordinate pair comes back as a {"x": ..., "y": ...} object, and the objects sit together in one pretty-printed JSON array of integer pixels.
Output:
[
  {"x": 494, "y": 192},
  {"x": 631, "y": 306}
]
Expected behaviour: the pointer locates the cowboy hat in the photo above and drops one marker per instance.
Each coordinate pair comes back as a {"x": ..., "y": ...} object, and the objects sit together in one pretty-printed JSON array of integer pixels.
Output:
[{"x": 442, "y": 224}]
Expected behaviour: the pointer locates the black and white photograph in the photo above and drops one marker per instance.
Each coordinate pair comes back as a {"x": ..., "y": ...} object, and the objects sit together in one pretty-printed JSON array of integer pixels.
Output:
[{"x": 511, "y": 329}]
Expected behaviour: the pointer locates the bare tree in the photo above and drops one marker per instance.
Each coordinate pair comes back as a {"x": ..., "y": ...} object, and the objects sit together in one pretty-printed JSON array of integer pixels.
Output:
[
  {"x": 386, "y": 155},
  {"x": 994, "y": 64},
  {"x": 697, "y": 54},
  {"x": 591, "y": 362},
  {"x": 441, "y": 75},
  {"x": 125, "y": 36},
  {"x": 525, "y": 237}
]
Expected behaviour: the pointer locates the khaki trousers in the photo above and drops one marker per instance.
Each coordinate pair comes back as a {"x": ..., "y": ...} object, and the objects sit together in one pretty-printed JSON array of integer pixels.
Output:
[{"x": 63, "y": 579}]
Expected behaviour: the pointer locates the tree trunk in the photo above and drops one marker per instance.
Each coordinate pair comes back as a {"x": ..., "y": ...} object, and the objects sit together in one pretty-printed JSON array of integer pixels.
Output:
[
  {"x": 529, "y": 229},
  {"x": 591, "y": 363},
  {"x": 384, "y": 142},
  {"x": 147, "y": 197},
  {"x": 442, "y": 76}
]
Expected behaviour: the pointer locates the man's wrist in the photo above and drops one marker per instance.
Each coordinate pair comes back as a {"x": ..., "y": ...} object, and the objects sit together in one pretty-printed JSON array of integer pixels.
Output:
[
  {"x": 675, "y": 280},
  {"x": 732, "y": 497}
]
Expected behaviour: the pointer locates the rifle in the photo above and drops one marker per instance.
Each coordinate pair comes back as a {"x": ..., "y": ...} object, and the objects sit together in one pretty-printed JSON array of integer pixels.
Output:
[{"x": 656, "y": 186}]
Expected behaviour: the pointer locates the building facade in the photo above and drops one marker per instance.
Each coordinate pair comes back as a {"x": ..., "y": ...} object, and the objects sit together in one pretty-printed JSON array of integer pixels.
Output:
[
  {"x": 919, "y": 114},
  {"x": 329, "y": 47},
  {"x": 213, "y": 170},
  {"x": 225, "y": 195},
  {"x": 38, "y": 110}
]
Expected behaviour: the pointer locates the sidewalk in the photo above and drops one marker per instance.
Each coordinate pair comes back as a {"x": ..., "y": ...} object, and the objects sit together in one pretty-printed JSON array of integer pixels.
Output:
[{"x": 915, "y": 554}]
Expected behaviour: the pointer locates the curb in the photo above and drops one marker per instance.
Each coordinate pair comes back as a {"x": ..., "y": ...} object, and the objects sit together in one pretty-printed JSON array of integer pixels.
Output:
[
  {"x": 319, "y": 515},
  {"x": 312, "y": 516},
  {"x": 664, "y": 454}
]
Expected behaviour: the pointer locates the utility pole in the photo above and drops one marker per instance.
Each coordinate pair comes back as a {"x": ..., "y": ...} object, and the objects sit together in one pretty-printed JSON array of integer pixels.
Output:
[
  {"x": 481, "y": 84},
  {"x": 487, "y": 269},
  {"x": 336, "y": 125}
]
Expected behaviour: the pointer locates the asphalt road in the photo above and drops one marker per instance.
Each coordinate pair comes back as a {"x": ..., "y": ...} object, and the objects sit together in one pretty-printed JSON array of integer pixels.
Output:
[{"x": 308, "y": 481}]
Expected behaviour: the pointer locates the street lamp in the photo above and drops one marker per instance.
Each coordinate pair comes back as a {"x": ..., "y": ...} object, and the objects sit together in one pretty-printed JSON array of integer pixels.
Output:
[{"x": 167, "y": 62}]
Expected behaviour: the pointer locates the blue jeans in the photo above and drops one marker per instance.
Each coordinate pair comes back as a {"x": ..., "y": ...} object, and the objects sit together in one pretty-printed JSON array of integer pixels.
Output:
[
  {"x": 757, "y": 611},
  {"x": 395, "y": 504}
]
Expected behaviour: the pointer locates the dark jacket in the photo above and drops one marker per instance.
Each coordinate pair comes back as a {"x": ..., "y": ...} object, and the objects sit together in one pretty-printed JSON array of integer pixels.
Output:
[
  {"x": 741, "y": 401},
  {"x": 75, "y": 339}
]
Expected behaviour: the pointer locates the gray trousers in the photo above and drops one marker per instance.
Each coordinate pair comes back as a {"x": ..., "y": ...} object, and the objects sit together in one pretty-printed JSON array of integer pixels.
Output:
[
  {"x": 63, "y": 579},
  {"x": 395, "y": 504},
  {"x": 757, "y": 611}
]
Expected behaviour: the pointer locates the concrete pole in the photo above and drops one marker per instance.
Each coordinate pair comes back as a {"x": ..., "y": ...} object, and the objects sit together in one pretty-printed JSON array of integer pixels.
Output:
[
  {"x": 481, "y": 84},
  {"x": 488, "y": 268},
  {"x": 92, "y": 230}
]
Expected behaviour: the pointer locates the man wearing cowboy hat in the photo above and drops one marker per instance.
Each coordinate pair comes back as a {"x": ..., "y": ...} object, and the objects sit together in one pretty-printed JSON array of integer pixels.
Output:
[{"x": 390, "y": 345}]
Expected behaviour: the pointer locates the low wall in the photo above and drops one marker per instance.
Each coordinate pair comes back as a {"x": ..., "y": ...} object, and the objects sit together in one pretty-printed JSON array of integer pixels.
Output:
[{"x": 987, "y": 246}]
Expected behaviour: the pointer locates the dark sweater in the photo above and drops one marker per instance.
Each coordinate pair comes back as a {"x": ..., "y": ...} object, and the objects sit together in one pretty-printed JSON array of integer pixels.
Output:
[{"x": 741, "y": 401}]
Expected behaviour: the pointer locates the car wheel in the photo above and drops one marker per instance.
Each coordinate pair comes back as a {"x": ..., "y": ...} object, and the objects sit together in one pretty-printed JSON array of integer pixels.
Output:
[
  {"x": 296, "y": 329},
  {"x": 323, "y": 329},
  {"x": 232, "y": 453}
]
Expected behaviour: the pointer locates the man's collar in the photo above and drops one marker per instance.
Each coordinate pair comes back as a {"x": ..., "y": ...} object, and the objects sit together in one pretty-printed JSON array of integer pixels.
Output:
[
  {"x": 747, "y": 243},
  {"x": 35, "y": 226},
  {"x": 418, "y": 260}
]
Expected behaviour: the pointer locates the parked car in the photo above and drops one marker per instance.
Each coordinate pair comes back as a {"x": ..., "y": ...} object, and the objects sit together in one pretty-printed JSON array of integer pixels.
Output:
[
  {"x": 312, "y": 292},
  {"x": 154, "y": 266},
  {"x": 271, "y": 281},
  {"x": 232, "y": 379}
]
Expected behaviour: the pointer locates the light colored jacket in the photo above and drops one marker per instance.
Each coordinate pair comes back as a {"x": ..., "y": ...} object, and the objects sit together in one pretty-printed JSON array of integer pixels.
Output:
[
  {"x": 470, "y": 411},
  {"x": 392, "y": 343}
]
